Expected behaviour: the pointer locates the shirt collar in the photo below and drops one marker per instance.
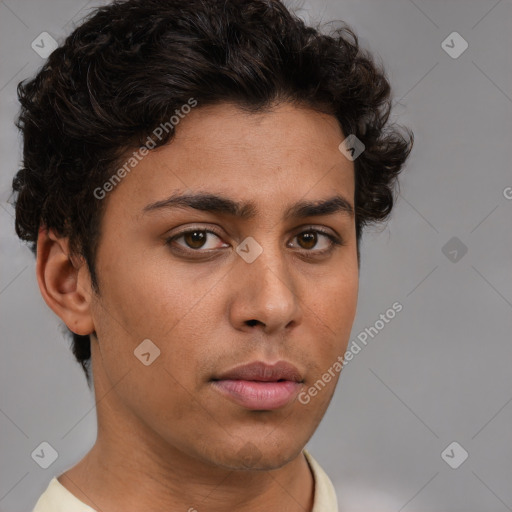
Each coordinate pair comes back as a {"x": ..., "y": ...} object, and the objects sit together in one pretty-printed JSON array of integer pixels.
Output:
[{"x": 324, "y": 495}]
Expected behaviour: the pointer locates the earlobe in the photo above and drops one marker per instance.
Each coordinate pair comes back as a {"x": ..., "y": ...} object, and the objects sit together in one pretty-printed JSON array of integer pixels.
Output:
[{"x": 64, "y": 285}]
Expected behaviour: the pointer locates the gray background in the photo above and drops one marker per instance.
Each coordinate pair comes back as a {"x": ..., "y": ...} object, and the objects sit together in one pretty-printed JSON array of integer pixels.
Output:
[{"x": 438, "y": 372}]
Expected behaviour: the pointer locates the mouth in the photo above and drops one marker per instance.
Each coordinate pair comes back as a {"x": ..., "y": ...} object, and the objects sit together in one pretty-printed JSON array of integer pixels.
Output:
[{"x": 260, "y": 386}]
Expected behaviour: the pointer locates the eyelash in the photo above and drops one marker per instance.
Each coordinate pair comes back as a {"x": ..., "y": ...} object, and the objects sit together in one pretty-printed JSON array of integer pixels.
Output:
[{"x": 334, "y": 241}]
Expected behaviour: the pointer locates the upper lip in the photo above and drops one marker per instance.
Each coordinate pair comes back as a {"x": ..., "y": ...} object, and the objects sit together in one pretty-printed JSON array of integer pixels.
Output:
[{"x": 264, "y": 372}]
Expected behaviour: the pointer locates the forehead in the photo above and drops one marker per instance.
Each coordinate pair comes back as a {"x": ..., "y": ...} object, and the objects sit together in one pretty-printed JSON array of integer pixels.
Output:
[{"x": 264, "y": 157}]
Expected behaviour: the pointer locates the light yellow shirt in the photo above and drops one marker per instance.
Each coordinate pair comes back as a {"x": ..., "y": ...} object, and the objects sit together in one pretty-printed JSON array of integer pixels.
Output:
[{"x": 56, "y": 497}]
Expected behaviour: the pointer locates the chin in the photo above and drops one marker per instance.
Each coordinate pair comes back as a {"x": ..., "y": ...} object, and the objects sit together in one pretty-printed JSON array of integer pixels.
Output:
[{"x": 257, "y": 456}]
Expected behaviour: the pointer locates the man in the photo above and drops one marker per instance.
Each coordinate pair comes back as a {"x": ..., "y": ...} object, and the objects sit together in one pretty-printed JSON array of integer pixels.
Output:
[{"x": 196, "y": 178}]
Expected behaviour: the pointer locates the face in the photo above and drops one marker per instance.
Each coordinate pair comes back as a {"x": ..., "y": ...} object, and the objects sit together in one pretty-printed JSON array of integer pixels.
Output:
[{"x": 214, "y": 287}]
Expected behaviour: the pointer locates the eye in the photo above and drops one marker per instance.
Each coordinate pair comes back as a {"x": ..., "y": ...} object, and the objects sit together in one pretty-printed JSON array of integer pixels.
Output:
[
  {"x": 311, "y": 238},
  {"x": 195, "y": 239}
]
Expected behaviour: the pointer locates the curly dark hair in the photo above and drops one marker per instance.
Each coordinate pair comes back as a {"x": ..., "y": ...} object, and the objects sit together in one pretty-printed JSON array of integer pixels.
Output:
[{"x": 131, "y": 64}]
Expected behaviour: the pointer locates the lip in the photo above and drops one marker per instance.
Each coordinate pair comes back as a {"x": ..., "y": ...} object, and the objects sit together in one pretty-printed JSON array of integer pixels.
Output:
[{"x": 260, "y": 386}]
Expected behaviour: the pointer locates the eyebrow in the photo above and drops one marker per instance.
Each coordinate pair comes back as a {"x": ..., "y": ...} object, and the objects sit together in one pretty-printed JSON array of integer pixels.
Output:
[{"x": 214, "y": 203}]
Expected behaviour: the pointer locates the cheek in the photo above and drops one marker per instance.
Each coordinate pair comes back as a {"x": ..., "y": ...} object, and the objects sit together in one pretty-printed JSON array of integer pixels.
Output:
[
  {"x": 157, "y": 304},
  {"x": 149, "y": 299},
  {"x": 345, "y": 306},
  {"x": 337, "y": 302},
  {"x": 333, "y": 314},
  {"x": 162, "y": 392},
  {"x": 333, "y": 320}
]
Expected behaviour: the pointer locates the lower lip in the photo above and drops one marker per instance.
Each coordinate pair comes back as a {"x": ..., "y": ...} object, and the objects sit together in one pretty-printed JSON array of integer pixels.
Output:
[{"x": 259, "y": 396}]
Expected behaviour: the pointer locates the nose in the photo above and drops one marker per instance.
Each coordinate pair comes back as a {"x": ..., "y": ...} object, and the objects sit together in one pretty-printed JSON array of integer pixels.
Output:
[{"x": 265, "y": 295}]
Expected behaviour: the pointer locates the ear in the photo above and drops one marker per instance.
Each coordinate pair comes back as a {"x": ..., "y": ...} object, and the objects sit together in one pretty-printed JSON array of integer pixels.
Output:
[{"x": 65, "y": 286}]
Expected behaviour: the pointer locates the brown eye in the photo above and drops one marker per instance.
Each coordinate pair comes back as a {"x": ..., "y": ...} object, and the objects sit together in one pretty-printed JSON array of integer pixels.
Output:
[
  {"x": 310, "y": 239},
  {"x": 195, "y": 239},
  {"x": 316, "y": 242}
]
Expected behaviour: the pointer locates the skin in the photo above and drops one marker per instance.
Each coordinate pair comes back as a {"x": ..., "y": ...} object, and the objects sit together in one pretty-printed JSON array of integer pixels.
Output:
[{"x": 167, "y": 440}]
